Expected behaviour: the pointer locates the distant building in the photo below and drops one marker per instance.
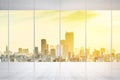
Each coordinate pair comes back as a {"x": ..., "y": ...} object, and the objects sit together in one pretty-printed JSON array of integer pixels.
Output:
[
  {"x": 23, "y": 50},
  {"x": 82, "y": 52},
  {"x": 36, "y": 51},
  {"x": 6, "y": 51},
  {"x": 43, "y": 46},
  {"x": 102, "y": 50},
  {"x": 69, "y": 37},
  {"x": 118, "y": 57},
  {"x": 58, "y": 50},
  {"x": 20, "y": 50},
  {"x": 47, "y": 48},
  {"x": 53, "y": 52},
  {"x": 64, "y": 48}
]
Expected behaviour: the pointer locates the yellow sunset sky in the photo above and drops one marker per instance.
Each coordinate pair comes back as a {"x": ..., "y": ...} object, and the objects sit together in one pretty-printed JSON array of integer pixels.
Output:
[{"x": 98, "y": 26}]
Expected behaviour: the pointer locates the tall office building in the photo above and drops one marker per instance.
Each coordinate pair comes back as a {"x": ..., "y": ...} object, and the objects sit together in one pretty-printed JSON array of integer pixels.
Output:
[
  {"x": 58, "y": 50},
  {"x": 64, "y": 48},
  {"x": 47, "y": 48},
  {"x": 23, "y": 50},
  {"x": 43, "y": 46},
  {"x": 6, "y": 49},
  {"x": 82, "y": 52},
  {"x": 20, "y": 50},
  {"x": 102, "y": 50},
  {"x": 36, "y": 51},
  {"x": 69, "y": 37},
  {"x": 52, "y": 52}
]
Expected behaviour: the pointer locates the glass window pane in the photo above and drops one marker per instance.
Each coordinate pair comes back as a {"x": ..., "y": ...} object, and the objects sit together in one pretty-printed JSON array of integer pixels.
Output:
[
  {"x": 47, "y": 35},
  {"x": 116, "y": 36},
  {"x": 73, "y": 42},
  {"x": 116, "y": 43},
  {"x": 99, "y": 42},
  {"x": 21, "y": 43},
  {"x": 21, "y": 36},
  {"x": 73, "y": 35},
  {"x": 3, "y": 36},
  {"x": 3, "y": 42},
  {"x": 46, "y": 41},
  {"x": 98, "y": 35}
]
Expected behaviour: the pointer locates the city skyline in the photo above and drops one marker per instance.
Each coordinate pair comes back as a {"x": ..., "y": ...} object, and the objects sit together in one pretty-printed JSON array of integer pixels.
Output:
[
  {"x": 63, "y": 52},
  {"x": 67, "y": 45},
  {"x": 21, "y": 36}
]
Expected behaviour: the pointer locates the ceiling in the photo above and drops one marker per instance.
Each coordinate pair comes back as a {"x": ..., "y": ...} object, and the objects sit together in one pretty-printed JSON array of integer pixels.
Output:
[{"x": 60, "y": 4}]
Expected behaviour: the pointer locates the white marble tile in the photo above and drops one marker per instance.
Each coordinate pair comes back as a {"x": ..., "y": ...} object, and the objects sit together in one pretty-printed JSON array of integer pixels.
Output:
[{"x": 62, "y": 71}]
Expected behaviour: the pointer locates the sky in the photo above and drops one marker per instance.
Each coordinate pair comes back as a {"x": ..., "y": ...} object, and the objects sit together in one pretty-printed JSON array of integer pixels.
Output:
[{"x": 98, "y": 26}]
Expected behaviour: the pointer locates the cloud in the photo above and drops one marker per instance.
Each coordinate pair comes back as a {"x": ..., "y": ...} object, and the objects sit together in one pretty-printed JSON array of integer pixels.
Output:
[{"x": 78, "y": 16}]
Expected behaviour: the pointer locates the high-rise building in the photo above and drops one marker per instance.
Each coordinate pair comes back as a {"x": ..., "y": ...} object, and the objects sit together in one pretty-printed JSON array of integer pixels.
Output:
[
  {"x": 23, "y": 50},
  {"x": 69, "y": 37},
  {"x": 47, "y": 48},
  {"x": 52, "y": 52},
  {"x": 102, "y": 50},
  {"x": 43, "y": 46},
  {"x": 58, "y": 50},
  {"x": 20, "y": 50},
  {"x": 6, "y": 51},
  {"x": 36, "y": 51},
  {"x": 87, "y": 52},
  {"x": 82, "y": 52},
  {"x": 63, "y": 48},
  {"x": 6, "y": 48}
]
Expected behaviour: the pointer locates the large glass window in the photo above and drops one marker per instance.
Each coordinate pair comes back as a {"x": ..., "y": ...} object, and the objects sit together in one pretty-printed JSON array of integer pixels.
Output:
[
  {"x": 73, "y": 42},
  {"x": 115, "y": 36},
  {"x": 98, "y": 35},
  {"x": 21, "y": 43},
  {"x": 3, "y": 36},
  {"x": 115, "y": 43},
  {"x": 46, "y": 43},
  {"x": 3, "y": 42},
  {"x": 72, "y": 35},
  {"x": 46, "y": 35},
  {"x": 21, "y": 36},
  {"x": 51, "y": 39}
]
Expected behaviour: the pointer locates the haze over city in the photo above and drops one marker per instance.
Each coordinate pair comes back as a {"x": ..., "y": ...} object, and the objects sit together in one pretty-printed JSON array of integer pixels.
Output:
[{"x": 98, "y": 29}]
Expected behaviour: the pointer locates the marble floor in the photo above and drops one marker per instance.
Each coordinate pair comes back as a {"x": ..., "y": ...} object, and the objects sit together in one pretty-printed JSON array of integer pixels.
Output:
[{"x": 60, "y": 71}]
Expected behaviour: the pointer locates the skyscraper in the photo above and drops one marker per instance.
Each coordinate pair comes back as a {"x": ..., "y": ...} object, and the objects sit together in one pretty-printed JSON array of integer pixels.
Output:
[
  {"x": 69, "y": 37},
  {"x": 6, "y": 49},
  {"x": 58, "y": 50},
  {"x": 26, "y": 50},
  {"x": 36, "y": 51},
  {"x": 20, "y": 50},
  {"x": 43, "y": 46},
  {"x": 102, "y": 50},
  {"x": 64, "y": 48},
  {"x": 47, "y": 48},
  {"x": 52, "y": 52},
  {"x": 23, "y": 50}
]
